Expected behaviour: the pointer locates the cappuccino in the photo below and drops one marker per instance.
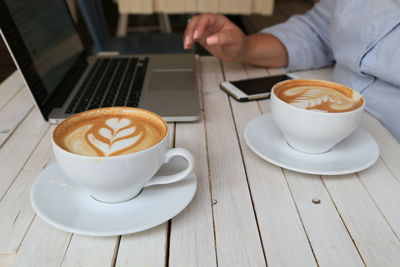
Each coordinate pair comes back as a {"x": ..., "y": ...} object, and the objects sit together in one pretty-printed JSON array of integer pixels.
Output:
[
  {"x": 110, "y": 132},
  {"x": 320, "y": 96},
  {"x": 315, "y": 115}
]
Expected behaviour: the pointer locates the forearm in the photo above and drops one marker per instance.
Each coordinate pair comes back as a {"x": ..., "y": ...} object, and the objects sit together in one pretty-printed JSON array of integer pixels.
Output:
[{"x": 265, "y": 50}]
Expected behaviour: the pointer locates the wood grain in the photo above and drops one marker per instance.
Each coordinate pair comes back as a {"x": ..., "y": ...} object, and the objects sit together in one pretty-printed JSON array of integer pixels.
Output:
[
  {"x": 81, "y": 251},
  {"x": 282, "y": 232},
  {"x": 15, "y": 208},
  {"x": 20, "y": 146},
  {"x": 192, "y": 235},
  {"x": 237, "y": 238},
  {"x": 375, "y": 240},
  {"x": 147, "y": 248},
  {"x": 13, "y": 113},
  {"x": 43, "y": 245},
  {"x": 10, "y": 87}
]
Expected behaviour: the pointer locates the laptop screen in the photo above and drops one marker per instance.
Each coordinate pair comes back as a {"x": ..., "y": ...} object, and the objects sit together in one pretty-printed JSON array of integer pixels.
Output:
[{"x": 51, "y": 45}]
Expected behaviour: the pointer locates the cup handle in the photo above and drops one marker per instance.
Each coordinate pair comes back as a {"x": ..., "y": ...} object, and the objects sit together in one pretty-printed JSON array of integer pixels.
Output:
[{"x": 168, "y": 179}]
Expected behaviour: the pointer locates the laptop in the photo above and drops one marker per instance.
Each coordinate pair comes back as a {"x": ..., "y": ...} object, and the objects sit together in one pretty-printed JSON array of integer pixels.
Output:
[{"x": 45, "y": 45}]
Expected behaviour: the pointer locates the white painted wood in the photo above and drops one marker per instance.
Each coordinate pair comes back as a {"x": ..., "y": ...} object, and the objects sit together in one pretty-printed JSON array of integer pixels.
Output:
[
  {"x": 385, "y": 190},
  {"x": 237, "y": 238},
  {"x": 253, "y": 71},
  {"x": 6, "y": 259},
  {"x": 321, "y": 74},
  {"x": 13, "y": 113},
  {"x": 192, "y": 235},
  {"x": 332, "y": 244},
  {"x": 10, "y": 87},
  {"x": 281, "y": 230},
  {"x": 388, "y": 145},
  {"x": 305, "y": 74},
  {"x": 276, "y": 71},
  {"x": 373, "y": 237},
  {"x": 192, "y": 231},
  {"x": 16, "y": 151},
  {"x": 368, "y": 203},
  {"x": 43, "y": 245},
  {"x": 146, "y": 248},
  {"x": 15, "y": 208},
  {"x": 87, "y": 251}
]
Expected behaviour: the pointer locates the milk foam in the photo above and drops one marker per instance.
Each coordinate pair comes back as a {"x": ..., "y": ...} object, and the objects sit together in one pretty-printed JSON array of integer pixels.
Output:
[
  {"x": 321, "y": 99},
  {"x": 110, "y": 136},
  {"x": 119, "y": 136}
]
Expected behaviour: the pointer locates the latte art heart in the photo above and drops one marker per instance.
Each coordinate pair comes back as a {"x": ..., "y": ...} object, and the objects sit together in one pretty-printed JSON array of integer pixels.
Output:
[{"x": 116, "y": 135}]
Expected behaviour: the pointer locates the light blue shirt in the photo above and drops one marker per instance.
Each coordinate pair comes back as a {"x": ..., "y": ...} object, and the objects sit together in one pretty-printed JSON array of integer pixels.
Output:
[{"x": 362, "y": 38}]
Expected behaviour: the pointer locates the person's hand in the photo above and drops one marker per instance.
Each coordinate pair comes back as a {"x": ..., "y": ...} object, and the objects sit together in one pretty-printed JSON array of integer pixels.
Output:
[{"x": 216, "y": 33}]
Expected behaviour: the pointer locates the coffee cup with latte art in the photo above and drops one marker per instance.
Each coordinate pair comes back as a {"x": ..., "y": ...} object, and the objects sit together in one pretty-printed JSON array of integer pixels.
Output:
[
  {"x": 115, "y": 152},
  {"x": 315, "y": 115}
]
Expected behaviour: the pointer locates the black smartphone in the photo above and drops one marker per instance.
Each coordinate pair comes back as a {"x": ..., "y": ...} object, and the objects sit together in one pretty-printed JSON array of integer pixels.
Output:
[{"x": 252, "y": 89}]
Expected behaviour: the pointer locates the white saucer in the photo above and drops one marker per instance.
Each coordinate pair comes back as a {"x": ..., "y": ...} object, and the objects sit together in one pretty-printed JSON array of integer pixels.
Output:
[
  {"x": 66, "y": 206},
  {"x": 355, "y": 153}
]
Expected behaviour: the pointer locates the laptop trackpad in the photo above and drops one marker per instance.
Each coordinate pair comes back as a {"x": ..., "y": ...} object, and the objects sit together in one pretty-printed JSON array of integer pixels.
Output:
[{"x": 171, "y": 80}]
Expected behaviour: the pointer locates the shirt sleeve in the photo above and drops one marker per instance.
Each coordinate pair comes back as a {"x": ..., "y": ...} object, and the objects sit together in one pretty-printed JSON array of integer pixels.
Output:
[{"x": 306, "y": 37}]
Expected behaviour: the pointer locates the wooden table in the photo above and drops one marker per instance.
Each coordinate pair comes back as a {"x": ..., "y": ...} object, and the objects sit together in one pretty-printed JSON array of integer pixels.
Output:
[
  {"x": 247, "y": 7},
  {"x": 246, "y": 212}
]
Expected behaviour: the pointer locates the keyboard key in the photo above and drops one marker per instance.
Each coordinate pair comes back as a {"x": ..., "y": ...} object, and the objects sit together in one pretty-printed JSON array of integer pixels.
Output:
[{"x": 110, "y": 82}]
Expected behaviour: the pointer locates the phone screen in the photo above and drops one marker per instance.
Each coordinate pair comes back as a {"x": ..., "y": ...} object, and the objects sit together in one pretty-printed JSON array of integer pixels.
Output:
[{"x": 259, "y": 85}]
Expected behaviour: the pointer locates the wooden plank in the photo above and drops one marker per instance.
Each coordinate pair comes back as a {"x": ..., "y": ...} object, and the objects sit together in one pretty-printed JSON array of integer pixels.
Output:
[
  {"x": 321, "y": 74},
  {"x": 135, "y": 7},
  {"x": 190, "y": 6},
  {"x": 6, "y": 259},
  {"x": 192, "y": 230},
  {"x": 375, "y": 240},
  {"x": 329, "y": 238},
  {"x": 207, "y": 6},
  {"x": 373, "y": 237},
  {"x": 237, "y": 238},
  {"x": 388, "y": 145},
  {"x": 15, "y": 208},
  {"x": 170, "y": 6},
  {"x": 384, "y": 188},
  {"x": 20, "y": 146},
  {"x": 13, "y": 113},
  {"x": 90, "y": 251},
  {"x": 43, "y": 245},
  {"x": 282, "y": 232},
  {"x": 333, "y": 247},
  {"x": 147, "y": 248},
  {"x": 234, "y": 7},
  {"x": 10, "y": 87},
  {"x": 264, "y": 7}
]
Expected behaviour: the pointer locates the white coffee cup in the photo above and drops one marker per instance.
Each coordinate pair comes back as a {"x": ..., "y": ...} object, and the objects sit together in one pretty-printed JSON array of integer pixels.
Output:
[
  {"x": 311, "y": 131},
  {"x": 120, "y": 178}
]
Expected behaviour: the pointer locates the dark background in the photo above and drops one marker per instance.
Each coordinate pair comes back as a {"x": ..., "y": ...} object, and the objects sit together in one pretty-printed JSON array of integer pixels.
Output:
[{"x": 250, "y": 24}]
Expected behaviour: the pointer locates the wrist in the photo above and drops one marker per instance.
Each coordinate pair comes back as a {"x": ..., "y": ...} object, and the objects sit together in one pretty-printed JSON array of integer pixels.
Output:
[{"x": 246, "y": 49}]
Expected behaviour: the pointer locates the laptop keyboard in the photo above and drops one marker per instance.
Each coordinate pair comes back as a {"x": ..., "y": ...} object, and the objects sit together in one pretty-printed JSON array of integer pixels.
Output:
[{"x": 111, "y": 82}]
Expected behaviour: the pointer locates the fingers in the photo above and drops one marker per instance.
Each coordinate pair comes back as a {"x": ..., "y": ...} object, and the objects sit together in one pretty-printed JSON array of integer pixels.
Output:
[
  {"x": 203, "y": 23},
  {"x": 197, "y": 27},
  {"x": 223, "y": 38},
  {"x": 188, "y": 36}
]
